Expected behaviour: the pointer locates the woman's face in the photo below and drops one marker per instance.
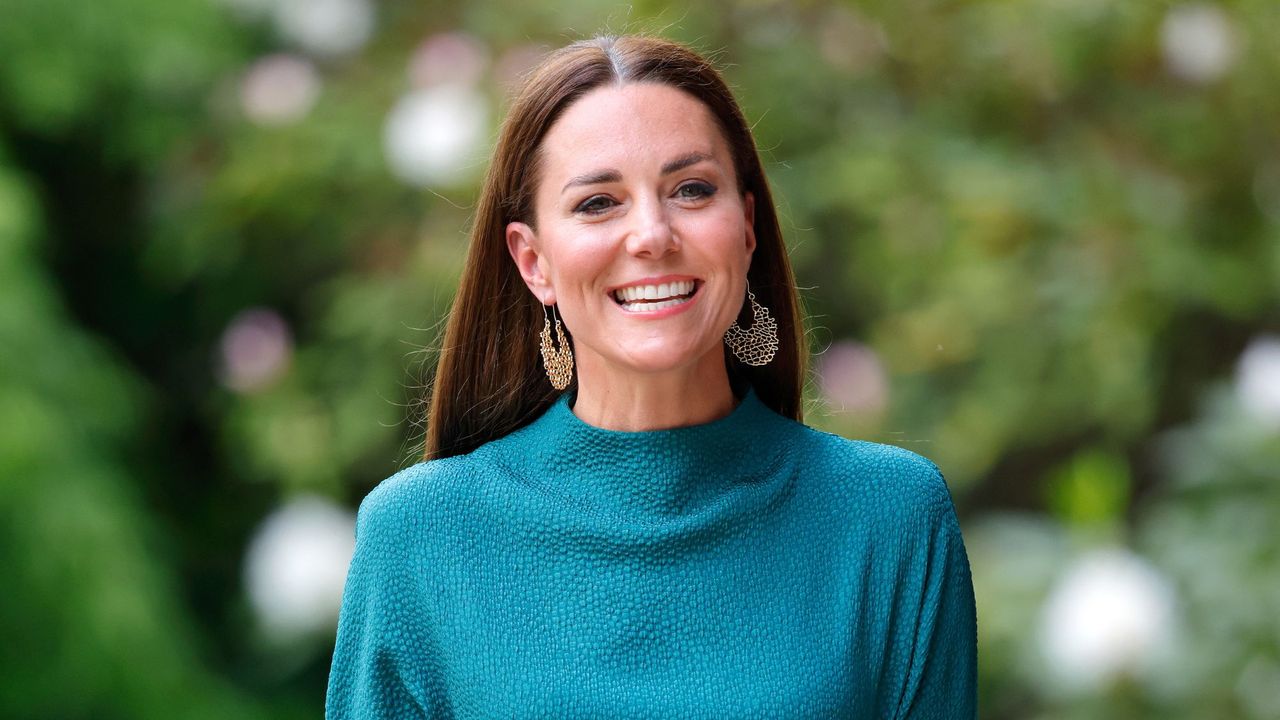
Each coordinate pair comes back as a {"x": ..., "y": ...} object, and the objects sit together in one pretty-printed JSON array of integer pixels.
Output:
[{"x": 642, "y": 237}]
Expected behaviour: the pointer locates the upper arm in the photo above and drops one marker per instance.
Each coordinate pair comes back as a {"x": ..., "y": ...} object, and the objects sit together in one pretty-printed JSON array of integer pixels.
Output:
[
  {"x": 382, "y": 640},
  {"x": 941, "y": 679},
  {"x": 922, "y": 622}
]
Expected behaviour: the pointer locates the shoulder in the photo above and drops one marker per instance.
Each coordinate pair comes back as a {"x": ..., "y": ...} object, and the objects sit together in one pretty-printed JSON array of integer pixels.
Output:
[
  {"x": 874, "y": 460},
  {"x": 898, "y": 483},
  {"x": 406, "y": 497}
]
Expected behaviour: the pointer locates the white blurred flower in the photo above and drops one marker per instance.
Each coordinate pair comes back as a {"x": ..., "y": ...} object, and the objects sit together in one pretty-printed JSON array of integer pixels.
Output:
[
  {"x": 852, "y": 378},
  {"x": 296, "y": 566},
  {"x": 1198, "y": 41},
  {"x": 452, "y": 57},
  {"x": 256, "y": 349},
  {"x": 325, "y": 27},
  {"x": 432, "y": 136},
  {"x": 1258, "y": 379},
  {"x": 1109, "y": 615},
  {"x": 279, "y": 89}
]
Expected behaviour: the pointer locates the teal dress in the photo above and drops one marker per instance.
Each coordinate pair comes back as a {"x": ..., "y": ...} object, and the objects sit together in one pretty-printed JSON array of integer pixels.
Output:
[{"x": 750, "y": 567}]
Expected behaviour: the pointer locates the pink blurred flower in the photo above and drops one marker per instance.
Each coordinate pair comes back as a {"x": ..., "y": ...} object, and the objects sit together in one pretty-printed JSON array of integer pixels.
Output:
[
  {"x": 255, "y": 351},
  {"x": 515, "y": 62},
  {"x": 279, "y": 89},
  {"x": 452, "y": 57},
  {"x": 852, "y": 378}
]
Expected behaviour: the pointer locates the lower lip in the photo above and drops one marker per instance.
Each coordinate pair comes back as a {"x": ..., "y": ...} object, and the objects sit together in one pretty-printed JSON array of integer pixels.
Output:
[{"x": 664, "y": 312}]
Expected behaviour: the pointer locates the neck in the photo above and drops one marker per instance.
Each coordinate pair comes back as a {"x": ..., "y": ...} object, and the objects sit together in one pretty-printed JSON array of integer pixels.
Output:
[
  {"x": 694, "y": 474},
  {"x": 632, "y": 401}
]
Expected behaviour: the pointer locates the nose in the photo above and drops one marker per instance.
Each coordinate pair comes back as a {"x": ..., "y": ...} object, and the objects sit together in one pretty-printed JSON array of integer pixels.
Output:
[{"x": 650, "y": 233}]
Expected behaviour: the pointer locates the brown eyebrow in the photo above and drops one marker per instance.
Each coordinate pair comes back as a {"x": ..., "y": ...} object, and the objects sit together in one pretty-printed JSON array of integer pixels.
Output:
[
  {"x": 684, "y": 161},
  {"x": 599, "y": 176},
  {"x": 611, "y": 175}
]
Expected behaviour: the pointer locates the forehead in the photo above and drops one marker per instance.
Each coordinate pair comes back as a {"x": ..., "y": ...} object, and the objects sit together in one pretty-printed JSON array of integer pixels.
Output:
[{"x": 636, "y": 125}]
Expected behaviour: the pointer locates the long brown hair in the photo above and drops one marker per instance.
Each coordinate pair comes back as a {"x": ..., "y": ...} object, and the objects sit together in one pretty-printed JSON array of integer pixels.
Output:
[{"x": 489, "y": 380}]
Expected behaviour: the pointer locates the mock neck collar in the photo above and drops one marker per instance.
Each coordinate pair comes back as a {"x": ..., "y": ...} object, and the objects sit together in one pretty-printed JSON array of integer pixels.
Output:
[{"x": 666, "y": 473}]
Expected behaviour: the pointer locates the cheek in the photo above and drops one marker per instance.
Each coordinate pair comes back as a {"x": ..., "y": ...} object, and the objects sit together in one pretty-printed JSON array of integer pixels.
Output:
[
  {"x": 720, "y": 235},
  {"x": 578, "y": 266}
]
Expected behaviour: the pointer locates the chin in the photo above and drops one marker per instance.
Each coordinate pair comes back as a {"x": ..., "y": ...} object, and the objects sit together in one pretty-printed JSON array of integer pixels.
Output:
[{"x": 667, "y": 359}]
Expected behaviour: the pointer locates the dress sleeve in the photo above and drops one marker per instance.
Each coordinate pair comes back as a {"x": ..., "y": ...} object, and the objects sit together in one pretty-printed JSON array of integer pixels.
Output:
[
  {"x": 942, "y": 677},
  {"x": 375, "y": 669}
]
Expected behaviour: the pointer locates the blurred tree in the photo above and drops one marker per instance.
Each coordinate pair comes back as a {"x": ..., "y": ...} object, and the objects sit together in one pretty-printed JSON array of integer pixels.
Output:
[{"x": 1033, "y": 234}]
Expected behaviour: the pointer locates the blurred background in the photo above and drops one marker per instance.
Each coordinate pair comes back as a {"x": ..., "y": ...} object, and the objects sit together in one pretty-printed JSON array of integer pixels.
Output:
[{"x": 1039, "y": 242}]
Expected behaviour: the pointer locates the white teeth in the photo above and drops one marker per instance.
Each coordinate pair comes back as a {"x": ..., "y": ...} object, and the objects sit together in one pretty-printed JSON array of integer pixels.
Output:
[
  {"x": 644, "y": 307},
  {"x": 662, "y": 292}
]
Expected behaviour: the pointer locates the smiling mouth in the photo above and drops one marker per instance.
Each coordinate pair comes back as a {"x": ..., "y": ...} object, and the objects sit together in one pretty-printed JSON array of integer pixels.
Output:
[{"x": 650, "y": 298}]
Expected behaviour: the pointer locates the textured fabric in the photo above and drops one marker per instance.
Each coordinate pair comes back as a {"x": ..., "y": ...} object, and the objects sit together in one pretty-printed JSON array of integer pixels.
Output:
[{"x": 750, "y": 567}]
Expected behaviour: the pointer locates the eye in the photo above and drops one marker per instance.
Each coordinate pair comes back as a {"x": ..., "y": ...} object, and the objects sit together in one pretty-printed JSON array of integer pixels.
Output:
[
  {"x": 695, "y": 191},
  {"x": 594, "y": 205}
]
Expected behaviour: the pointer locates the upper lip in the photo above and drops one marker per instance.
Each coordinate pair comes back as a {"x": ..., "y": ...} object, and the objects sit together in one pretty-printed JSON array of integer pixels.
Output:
[{"x": 655, "y": 280}]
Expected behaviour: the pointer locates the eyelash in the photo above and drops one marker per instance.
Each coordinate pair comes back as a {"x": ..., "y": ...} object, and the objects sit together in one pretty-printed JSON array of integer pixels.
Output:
[
  {"x": 585, "y": 207},
  {"x": 704, "y": 190}
]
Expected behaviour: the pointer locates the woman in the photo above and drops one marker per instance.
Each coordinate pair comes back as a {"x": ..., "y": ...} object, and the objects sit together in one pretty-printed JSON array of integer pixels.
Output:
[{"x": 619, "y": 514}]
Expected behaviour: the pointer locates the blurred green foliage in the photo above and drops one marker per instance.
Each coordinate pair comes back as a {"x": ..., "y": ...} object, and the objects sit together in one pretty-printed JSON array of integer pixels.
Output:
[{"x": 1056, "y": 239}]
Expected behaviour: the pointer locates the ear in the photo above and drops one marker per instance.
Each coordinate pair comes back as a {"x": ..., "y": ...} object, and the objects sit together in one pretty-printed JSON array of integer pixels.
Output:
[
  {"x": 522, "y": 243},
  {"x": 749, "y": 211}
]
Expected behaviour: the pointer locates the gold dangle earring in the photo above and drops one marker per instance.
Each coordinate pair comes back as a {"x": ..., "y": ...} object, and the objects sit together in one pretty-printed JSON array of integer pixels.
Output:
[
  {"x": 755, "y": 346},
  {"x": 558, "y": 363}
]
